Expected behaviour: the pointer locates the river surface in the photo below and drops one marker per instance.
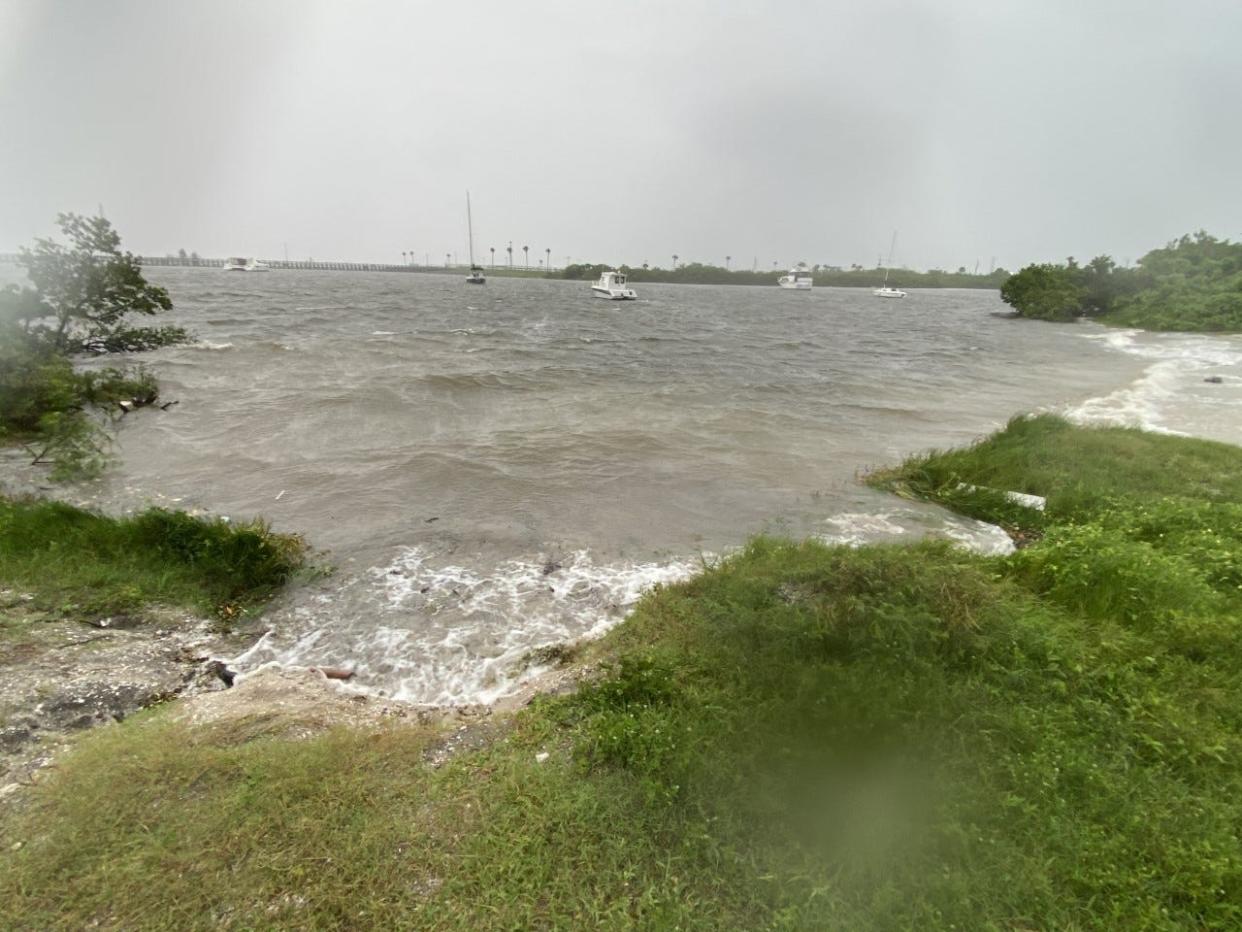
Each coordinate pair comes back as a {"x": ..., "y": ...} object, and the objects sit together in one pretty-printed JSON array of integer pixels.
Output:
[{"x": 496, "y": 468}]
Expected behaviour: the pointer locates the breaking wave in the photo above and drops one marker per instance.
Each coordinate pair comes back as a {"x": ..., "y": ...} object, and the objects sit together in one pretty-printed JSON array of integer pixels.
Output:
[
  {"x": 1192, "y": 381},
  {"x": 437, "y": 633}
]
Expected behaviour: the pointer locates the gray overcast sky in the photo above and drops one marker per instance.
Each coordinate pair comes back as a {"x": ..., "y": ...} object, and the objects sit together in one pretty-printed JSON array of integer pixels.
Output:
[{"x": 626, "y": 132}]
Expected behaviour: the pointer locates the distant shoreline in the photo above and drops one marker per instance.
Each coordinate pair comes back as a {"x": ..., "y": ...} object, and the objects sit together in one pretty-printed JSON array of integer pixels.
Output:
[{"x": 692, "y": 274}]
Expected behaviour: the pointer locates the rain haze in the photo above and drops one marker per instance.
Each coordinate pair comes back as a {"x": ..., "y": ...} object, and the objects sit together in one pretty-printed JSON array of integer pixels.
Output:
[{"x": 982, "y": 131}]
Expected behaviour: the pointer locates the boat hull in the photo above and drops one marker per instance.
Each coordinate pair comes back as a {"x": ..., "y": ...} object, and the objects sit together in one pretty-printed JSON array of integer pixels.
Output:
[
  {"x": 795, "y": 286},
  {"x": 614, "y": 295}
]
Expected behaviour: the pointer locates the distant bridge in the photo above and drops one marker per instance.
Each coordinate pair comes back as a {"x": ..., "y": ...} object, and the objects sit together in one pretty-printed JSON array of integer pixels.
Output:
[{"x": 308, "y": 265}]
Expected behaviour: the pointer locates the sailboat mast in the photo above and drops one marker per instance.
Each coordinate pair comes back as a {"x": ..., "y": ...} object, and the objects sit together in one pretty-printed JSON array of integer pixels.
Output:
[
  {"x": 470, "y": 229},
  {"x": 892, "y": 246}
]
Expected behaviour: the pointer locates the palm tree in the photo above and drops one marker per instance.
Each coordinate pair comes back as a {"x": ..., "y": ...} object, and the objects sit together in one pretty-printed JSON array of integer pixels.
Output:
[
  {"x": 403, "y": 257},
  {"x": 493, "y": 248},
  {"x": 674, "y": 261},
  {"x": 549, "y": 255},
  {"x": 509, "y": 249},
  {"x": 526, "y": 261},
  {"x": 728, "y": 259},
  {"x": 448, "y": 259}
]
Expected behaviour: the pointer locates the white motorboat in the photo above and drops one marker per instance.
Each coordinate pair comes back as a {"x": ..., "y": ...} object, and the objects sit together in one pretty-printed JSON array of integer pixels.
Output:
[
  {"x": 798, "y": 279},
  {"x": 240, "y": 264},
  {"x": 611, "y": 285},
  {"x": 476, "y": 271},
  {"x": 884, "y": 291}
]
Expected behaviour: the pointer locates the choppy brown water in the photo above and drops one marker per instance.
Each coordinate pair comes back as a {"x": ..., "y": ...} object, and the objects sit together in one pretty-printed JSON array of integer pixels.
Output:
[{"x": 448, "y": 444}]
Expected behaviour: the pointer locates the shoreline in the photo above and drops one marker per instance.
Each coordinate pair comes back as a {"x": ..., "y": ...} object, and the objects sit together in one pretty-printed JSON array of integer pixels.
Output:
[
  {"x": 1073, "y": 700},
  {"x": 175, "y": 678}
]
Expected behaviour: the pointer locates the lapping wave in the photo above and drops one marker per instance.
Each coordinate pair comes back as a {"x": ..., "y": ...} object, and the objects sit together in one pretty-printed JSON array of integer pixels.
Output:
[{"x": 432, "y": 632}]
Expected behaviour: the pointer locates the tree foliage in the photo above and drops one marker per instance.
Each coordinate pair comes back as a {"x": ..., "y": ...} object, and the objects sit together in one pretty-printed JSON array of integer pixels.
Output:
[
  {"x": 78, "y": 301},
  {"x": 1193, "y": 284},
  {"x": 1044, "y": 292},
  {"x": 698, "y": 273},
  {"x": 81, "y": 294}
]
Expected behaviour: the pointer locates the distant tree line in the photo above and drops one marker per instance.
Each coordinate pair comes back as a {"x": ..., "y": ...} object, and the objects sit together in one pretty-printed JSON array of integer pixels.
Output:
[
  {"x": 697, "y": 273},
  {"x": 1192, "y": 284}
]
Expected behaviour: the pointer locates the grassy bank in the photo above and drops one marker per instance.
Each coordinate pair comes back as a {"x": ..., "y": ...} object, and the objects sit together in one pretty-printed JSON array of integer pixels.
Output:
[
  {"x": 801, "y": 737},
  {"x": 1080, "y": 471},
  {"x": 74, "y": 561}
]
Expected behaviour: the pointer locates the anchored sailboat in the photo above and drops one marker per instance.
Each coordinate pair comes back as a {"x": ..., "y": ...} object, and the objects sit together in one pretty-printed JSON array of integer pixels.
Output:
[
  {"x": 884, "y": 291},
  {"x": 476, "y": 271}
]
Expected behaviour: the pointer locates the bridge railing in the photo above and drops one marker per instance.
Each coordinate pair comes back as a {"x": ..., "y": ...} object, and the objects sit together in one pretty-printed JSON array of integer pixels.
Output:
[{"x": 200, "y": 262}]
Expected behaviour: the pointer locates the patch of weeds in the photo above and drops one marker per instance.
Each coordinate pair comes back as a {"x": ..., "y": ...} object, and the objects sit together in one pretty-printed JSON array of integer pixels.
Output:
[{"x": 80, "y": 562}]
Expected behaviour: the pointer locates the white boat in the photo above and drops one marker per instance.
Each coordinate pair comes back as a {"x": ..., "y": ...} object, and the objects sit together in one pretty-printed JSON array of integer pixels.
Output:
[
  {"x": 884, "y": 291},
  {"x": 240, "y": 264},
  {"x": 611, "y": 285},
  {"x": 798, "y": 279},
  {"x": 887, "y": 292},
  {"x": 476, "y": 271}
]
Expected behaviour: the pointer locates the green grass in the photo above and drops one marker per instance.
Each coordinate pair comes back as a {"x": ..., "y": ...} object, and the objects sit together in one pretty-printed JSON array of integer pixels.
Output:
[
  {"x": 801, "y": 737},
  {"x": 1079, "y": 470},
  {"x": 77, "y": 561}
]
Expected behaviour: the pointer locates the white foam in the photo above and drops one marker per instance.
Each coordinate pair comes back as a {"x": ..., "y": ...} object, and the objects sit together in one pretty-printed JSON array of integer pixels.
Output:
[
  {"x": 978, "y": 536},
  {"x": 857, "y": 529},
  {"x": 1170, "y": 390},
  {"x": 439, "y": 633},
  {"x": 208, "y": 345},
  {"x": 854, "y": 529}
]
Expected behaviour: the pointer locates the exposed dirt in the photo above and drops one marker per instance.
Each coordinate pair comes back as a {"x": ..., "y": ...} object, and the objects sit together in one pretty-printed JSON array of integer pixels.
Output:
[
  {"x": 60, "y": 676},
  {"x": 300, "y": 703}
]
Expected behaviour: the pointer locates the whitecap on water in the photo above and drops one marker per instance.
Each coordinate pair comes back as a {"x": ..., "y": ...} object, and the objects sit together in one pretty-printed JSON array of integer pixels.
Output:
[
  {"x": 443, "y": 633},
  {"x": 1172, "y": 389}
]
